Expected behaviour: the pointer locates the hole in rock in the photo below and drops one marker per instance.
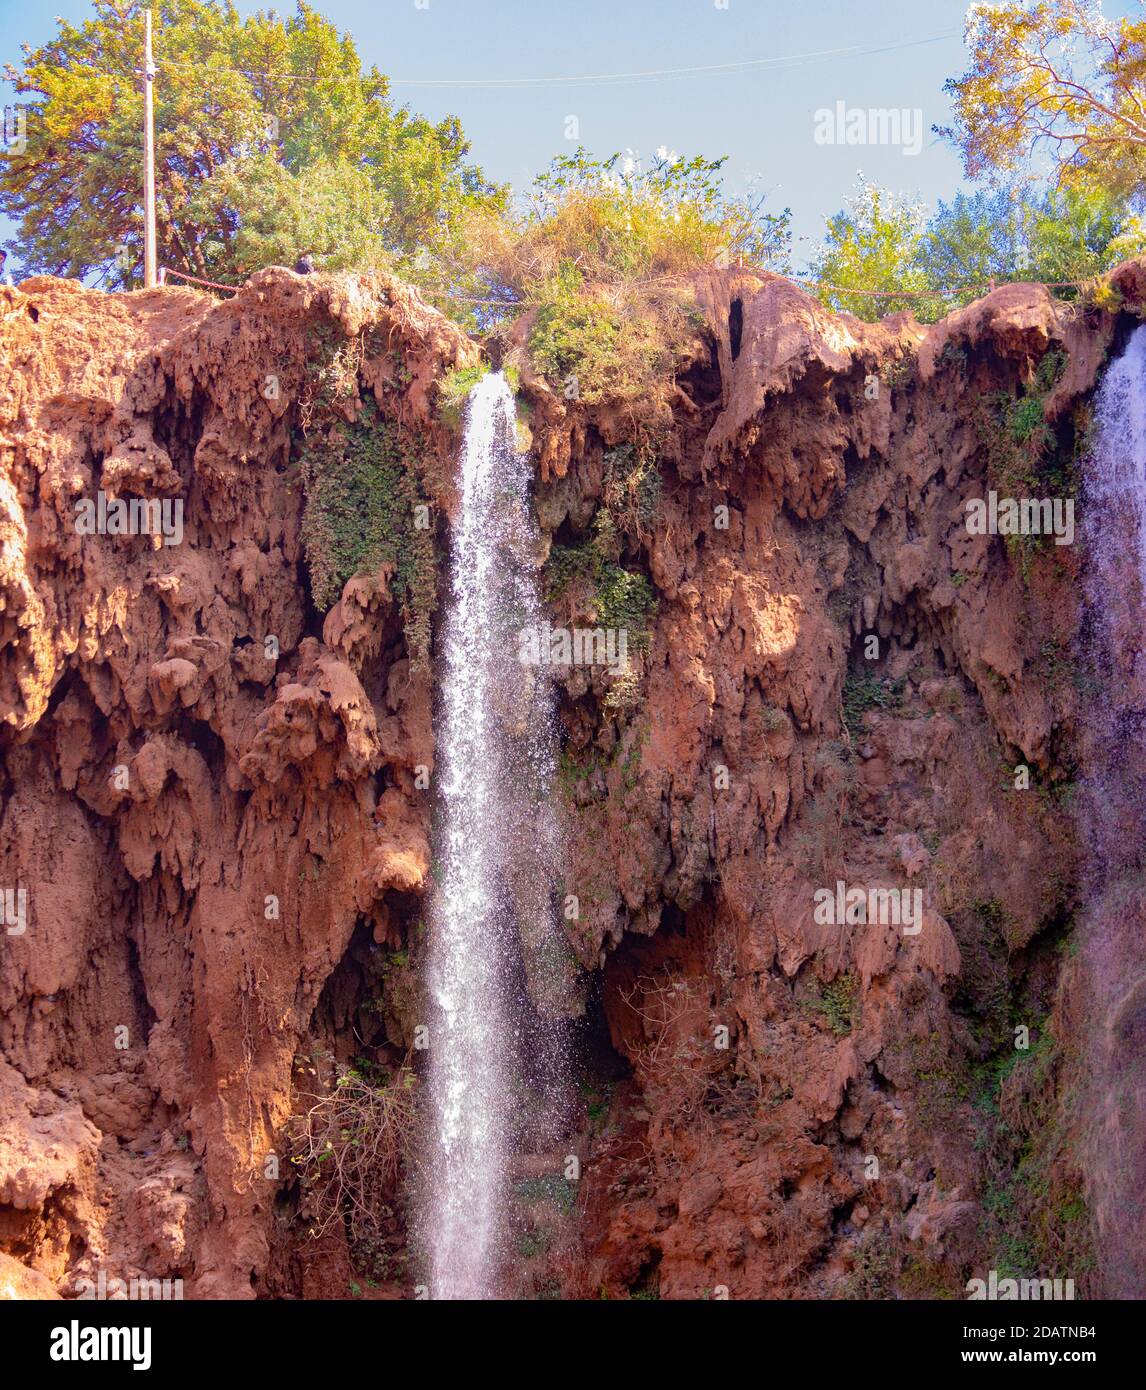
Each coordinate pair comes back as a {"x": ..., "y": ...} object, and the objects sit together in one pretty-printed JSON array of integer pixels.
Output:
[{"x": 735, "y": 326}]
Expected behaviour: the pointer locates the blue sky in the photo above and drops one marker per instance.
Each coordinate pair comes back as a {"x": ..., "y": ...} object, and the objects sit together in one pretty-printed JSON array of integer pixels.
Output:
[{"x": 762, "y": 116}]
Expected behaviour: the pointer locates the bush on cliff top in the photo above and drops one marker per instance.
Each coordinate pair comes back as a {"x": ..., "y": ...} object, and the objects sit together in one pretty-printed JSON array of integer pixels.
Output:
[
  {"x": 596, "y": 252},
  {"x": 454, "y": 391},
  {"x": 608, "y": 342},
  {"x": 618, "y": 221}
]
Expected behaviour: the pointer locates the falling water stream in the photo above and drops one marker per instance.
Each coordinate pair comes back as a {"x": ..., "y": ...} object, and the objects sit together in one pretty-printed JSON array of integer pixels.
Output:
[
  {"x": 1113, "y": 806},
  {"x": 495, "y": 843}
]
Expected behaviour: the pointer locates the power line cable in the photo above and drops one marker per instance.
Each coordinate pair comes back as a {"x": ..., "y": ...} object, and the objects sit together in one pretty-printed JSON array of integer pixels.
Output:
[
  {"x": 592, "y": 79},
  {"x": 742, "y": 65}
]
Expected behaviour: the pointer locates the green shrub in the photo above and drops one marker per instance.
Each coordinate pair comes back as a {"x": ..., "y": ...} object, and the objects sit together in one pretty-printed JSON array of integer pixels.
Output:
[
  {"x": 613, "y": 597},
  {"x": 1036, "y": 1220},
  {"x": 609, "y": 341},
  {"x": 607, "y": 593},
  {"x": 626, "y": 601},
  {"x": 838, "y": 1002},
  {"x": 558, "y": 1191},
  {"x": 590, "y": 579},
  {"x": 575, "y": 336},
  {"x": 939, "y": 1076},
  {"x": 454, "y": 390},
  {"x": 864, "y": 690},
  {"x": 875, "y": 1265},
  {"x": 1027, "y": 419},
  {"x": 361, "y": 485},
  {"x": 530, "y": 1244},
  {"x": 1015, "y": 432},
  {"x": 631, "y": 488},
  {"x": 609, "y": 596}
]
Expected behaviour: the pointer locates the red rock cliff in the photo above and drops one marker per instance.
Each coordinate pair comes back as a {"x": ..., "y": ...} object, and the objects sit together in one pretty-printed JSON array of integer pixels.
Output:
[{"x": 209, "y": 791}]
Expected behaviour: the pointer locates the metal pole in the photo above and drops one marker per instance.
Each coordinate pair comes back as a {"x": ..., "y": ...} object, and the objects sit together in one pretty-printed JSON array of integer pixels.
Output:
[{"x": 149, "y": 256}]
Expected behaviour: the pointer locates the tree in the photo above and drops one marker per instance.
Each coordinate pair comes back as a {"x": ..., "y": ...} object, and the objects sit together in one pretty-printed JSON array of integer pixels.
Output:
[
  {"x": 1055, "y": 82},
  {"x": 1066, "y": 235},
  {"x": 270, "y": 140},
  {"x": 1079, "y": 233},
  {"x": 258, "y": 213},
  {"x": 873, "y": 243},
  {"x": 975, "y": 239}
]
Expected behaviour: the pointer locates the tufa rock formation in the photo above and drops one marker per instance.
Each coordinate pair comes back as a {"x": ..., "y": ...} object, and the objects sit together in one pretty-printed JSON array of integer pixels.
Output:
[{"x": 214, "y": 795}]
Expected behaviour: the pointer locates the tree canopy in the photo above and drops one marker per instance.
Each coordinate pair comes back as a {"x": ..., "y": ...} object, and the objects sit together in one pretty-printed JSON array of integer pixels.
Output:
[
  {"x": 271, "y": 140},
  {"x": 1057, "y": 84},
  {"x": 1058, "y": 236},
  {"x": 872, "y": 244}
]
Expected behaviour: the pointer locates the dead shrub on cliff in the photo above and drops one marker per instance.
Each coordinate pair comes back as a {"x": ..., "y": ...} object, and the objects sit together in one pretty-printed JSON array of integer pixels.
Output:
[
  {"x": 350, "y": 1146},
  {"x": 685, "y": 1077}
]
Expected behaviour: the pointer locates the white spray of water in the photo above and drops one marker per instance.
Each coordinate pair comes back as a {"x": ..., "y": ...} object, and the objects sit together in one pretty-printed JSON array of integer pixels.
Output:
[
  {"x": 1113, "y": 807},
  {"x": 1116, "y": 499},
  {"x": 495, "y": 763}
]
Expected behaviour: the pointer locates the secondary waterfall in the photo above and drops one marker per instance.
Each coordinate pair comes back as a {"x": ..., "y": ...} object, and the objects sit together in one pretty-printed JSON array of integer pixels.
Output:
[
  {"x": 1114, "y": 816},
  {"x": 495, "y": 845}
]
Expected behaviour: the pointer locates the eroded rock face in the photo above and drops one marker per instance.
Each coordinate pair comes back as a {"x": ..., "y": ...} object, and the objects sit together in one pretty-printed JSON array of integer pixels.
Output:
[
  {"x": 842, "y": 683},
  {"x": 190, "y": 806},
  {"x": 225, "y": 839}
]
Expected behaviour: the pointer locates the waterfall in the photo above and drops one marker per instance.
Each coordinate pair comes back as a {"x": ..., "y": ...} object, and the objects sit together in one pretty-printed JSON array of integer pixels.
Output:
[
  {"x": 495, "y": 847},
  {"x": 1113, "y": 808}
]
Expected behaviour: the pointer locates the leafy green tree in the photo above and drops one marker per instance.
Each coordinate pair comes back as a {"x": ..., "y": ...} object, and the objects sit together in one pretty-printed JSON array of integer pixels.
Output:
[
  {"x": 975, "y": 239},
  {"x": 873, "y": 244},
  {"x": 270, "y": 140},
  {"x": 1077, "y": 233},
  {"x": 259, "y": 213},
  {"x": 1067, "y": 234}
]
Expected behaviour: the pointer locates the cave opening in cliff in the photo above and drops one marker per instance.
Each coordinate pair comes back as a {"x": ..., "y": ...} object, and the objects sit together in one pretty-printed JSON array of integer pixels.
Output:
[
  {"x": 199, "y": 735},
  {"x": 597, "y": 1058},
  {"x": 702, "y": 381}
]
